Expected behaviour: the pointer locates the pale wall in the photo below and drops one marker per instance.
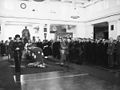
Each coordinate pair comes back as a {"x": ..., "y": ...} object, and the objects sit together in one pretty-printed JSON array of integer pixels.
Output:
[
  {"x": 89, "y": 31},
  {"x": 118, "y": 27},
  {"x": 113, "y": 33},
  {"x": 80, "y": 30},
  {"x": 104, "y": 11},
  {"x": 10, "y": 30}
]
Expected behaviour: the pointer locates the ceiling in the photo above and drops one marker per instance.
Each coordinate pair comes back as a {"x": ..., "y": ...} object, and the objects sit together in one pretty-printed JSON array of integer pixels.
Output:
[{"x": 67, "y": 1}]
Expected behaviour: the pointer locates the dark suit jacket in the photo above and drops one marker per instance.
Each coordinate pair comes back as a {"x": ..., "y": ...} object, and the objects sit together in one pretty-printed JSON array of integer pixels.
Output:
[
  {"x": 117, "y": 48},
  {"x": 111, "y": 48}
]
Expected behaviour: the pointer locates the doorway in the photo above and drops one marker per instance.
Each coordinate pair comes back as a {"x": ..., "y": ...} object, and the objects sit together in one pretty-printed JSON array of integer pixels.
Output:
[
  {"x": 101, "y": 30},
  {"x": 62, "y": 30}
]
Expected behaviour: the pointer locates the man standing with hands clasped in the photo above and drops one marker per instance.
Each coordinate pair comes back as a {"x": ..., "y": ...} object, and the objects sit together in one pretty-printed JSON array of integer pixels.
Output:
[{"x": 17, "y": 49}]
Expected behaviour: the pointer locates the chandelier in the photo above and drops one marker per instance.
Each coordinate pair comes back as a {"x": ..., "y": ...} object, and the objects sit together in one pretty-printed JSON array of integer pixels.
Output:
[{"x": 75, "y": 14}]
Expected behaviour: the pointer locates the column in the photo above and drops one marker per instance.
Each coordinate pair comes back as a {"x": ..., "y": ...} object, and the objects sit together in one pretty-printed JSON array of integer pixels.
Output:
[
  {"x": 89, "y": 31},
  {"x": 118, "y": 27},
  {"x": 80, "y": 30},
  {"x": 2, "y": 36},
  {"x": 113, "y": 29},
  {"x": 51, "y": 36}
]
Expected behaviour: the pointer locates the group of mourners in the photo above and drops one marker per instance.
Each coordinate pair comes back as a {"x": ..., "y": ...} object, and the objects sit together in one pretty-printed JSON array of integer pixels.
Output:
[
  {"x": 98, "y": 52},
  {"x": 101, "y": 52}
]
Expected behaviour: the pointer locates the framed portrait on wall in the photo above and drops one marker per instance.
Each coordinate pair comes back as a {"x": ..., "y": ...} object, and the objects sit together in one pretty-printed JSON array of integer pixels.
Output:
[
  {"x": 112, "y": 27},
  {"x": 45, "y": 29},
  {"x": 36, "y": 28},
  {"x": 53, "y": 28}
]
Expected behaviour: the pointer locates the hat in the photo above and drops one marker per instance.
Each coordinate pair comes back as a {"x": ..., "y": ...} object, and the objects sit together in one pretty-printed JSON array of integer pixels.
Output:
[
  {"x": 10, "y": 37},
  {"x": 17, "y": 35}
]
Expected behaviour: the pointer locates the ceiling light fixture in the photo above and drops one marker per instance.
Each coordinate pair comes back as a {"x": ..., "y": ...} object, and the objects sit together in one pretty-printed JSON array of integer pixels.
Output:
[
  {"x": 39, "y": 0},
  {"x": 75, "y": 17},
  {"x": 75, "y": 14}
]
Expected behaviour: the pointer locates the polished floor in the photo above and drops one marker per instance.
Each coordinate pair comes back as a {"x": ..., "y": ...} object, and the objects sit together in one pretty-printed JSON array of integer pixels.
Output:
[
  {"x": 63, "y": 81},
  {"x": 51, "y": 81},
  {"x": 80, "y": 77}
]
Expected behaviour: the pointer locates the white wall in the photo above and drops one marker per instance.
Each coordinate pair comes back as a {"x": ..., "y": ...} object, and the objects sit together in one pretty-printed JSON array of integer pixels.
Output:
[
  {"x": 118, "y": 27},
  {"x": 102, "y": 9},
  {"x": 80, "y": 30},
  {"x": 19, "y": 24},
  {"x": 2, "y": 31},
  {"x": 11, "y": 29},
  {"x": 89, "y": 31}
]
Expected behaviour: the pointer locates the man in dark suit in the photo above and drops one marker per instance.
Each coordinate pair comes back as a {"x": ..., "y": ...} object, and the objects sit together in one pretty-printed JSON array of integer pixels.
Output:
[
  {"x": 10, "y": 48},
  {"x": 110, "y": 52},
  {"x": 2, "y": 46},
  {"x": 56, "y": 49},
  {"x": 117, "y": 50},
  {"x": 39, "y": 44}
]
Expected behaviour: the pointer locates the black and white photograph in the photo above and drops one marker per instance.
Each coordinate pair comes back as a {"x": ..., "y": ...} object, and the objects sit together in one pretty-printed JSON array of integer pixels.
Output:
[{"x": 59, "y": 44}]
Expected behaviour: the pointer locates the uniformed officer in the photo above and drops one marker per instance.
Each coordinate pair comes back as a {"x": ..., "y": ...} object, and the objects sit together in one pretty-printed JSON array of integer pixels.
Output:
[
  {"x": 110, "y": 52},
  {"x": 17, "y": 51},
  {"x": 117, "y": 50}
]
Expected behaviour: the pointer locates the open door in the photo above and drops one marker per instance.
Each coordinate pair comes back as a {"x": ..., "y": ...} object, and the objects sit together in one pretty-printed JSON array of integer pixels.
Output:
[{"x": 101, "y": 30}]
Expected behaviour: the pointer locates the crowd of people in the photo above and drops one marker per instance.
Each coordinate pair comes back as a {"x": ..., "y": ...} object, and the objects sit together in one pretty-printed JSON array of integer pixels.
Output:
[{"x": 100, "y": 52}]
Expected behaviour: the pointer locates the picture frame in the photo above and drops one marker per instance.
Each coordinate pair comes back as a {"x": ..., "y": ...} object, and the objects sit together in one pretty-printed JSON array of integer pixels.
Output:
[{"x": 112, "y": 27}]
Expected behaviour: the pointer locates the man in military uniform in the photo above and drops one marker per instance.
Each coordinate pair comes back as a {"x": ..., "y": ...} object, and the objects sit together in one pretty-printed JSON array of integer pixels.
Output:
[
  {"x": 10, "y": 48},
  {"x": 17, "y": 48}
]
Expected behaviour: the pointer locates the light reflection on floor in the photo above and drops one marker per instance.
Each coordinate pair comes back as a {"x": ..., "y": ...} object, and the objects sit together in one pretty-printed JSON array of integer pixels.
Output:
[
  {"x": 63, "y": 81},
  {"x": 46, "y": 81}
]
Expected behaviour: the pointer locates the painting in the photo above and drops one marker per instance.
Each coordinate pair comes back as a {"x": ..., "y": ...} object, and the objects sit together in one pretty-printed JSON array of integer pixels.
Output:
[
  {"x": 36, "y": 28},
  {"x": 112, "y": 27},
  {"x": 53, "y": 28}
]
